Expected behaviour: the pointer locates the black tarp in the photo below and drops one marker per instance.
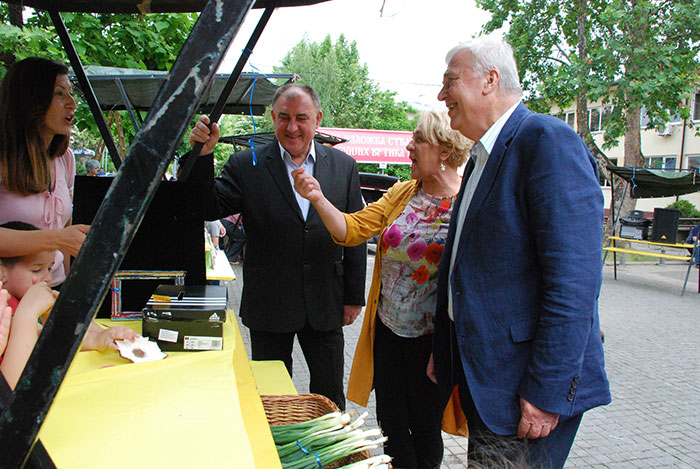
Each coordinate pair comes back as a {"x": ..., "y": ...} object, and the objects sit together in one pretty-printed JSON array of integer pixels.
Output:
[{"x": 647, "y": 183}]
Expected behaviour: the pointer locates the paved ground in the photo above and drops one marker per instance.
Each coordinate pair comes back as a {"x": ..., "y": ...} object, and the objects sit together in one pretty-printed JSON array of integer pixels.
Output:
[{"x": 653, "y": 361}]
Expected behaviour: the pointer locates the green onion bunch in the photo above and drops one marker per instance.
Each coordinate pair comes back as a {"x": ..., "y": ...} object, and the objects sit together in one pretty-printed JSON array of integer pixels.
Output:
[{"x": 324, "y": 440}]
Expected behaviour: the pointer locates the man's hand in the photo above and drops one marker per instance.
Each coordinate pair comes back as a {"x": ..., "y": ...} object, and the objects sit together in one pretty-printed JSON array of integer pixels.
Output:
[
  {"x": 350, "y": 313},
  {"x": 535, "y": 422},
  {"x": 202, "y": 134},
  {"x": 430, "y": 370}
]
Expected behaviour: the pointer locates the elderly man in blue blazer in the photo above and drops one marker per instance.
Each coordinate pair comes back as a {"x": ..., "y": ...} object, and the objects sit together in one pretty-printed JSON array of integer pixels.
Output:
[{"x": 517, "y": 316}]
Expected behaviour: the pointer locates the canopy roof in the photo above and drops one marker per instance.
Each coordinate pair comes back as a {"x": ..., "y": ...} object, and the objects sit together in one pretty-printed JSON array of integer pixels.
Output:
[
  {"x": 647, "y": 183},
  {"x": 143, "y": 6},
  {"x": 141, "y": 87},
  {"x": 264, "y": 138}
]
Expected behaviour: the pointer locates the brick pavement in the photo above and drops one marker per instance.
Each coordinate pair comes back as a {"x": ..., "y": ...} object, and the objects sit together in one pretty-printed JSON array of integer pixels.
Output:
[{"x": 653, "y": 362}]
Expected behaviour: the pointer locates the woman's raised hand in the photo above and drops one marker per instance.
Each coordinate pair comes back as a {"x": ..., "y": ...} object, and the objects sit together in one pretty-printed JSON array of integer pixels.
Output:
[
  {"x": 307, "y": 186},
  {"x": 71, "y": 238}
]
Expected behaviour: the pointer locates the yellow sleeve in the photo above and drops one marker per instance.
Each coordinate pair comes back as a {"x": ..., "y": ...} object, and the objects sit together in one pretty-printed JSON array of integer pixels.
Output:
[{"x": 371, "y": 220}]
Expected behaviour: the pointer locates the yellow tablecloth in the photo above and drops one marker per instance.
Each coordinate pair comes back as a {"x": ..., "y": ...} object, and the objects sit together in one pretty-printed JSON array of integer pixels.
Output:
[
  {"x": 193, "y": 409},
  {"x": 222, "y": 269}
]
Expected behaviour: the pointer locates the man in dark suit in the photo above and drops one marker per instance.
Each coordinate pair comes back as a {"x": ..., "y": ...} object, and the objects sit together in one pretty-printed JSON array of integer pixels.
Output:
[
  {"x": 517, "y": 318},
  {"x": 296, "y": 280}
]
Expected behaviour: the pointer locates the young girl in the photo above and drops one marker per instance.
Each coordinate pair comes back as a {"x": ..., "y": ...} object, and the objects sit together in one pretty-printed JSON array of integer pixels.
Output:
[{"x": 27, "y": 295}]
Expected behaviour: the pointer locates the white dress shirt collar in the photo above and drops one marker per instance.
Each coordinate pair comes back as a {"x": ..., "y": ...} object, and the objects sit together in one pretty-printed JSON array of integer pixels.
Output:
[{"x": 488, "y": 140}]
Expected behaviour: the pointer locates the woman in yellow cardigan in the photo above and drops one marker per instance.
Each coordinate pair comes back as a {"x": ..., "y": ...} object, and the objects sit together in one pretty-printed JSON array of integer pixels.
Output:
[{"x": 395, "y": 344}]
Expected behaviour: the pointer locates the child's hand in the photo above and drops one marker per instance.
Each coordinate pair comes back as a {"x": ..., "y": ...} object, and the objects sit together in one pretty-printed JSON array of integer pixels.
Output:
[
  {"x": 103, "y": 339},
  {"x": 37, "y": 301},
  {"x": 5, "y": 319}
]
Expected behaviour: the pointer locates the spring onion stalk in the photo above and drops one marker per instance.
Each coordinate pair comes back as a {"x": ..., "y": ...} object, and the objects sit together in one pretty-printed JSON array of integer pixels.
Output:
[
  {"x": 283, "y": 434},
  {"x": 317, "y": 440},
  {"x": 308, "y": 423},
  {"x": 291, "y": 452},
  {"x": 359, "y": 421},
  {"x": 332, "y": 453}
]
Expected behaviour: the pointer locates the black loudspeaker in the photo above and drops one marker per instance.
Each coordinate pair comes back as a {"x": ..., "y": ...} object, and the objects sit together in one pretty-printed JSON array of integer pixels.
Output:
[{"x": 665, "y": 226}]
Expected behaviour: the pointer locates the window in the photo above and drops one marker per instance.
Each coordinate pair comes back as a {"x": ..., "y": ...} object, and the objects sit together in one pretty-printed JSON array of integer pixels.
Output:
[
  {"x": 598, "y": 117},
  {"x": 569, "y": 118},
  {"x": 661, "y": 162},
  {"x": 696, "y": 107},
  {"x": 594, "y": 119},
  {"x": 694, "y": 162}
]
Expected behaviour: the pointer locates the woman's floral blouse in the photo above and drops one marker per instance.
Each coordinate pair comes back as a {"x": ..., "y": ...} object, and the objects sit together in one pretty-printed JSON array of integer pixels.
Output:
[{"x": 411, "y": 248}]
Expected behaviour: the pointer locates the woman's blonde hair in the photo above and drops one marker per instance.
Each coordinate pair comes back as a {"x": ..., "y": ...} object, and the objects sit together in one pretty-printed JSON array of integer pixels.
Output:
[
  {"x": 26, "y": 93},
  {"x": 435, "y": 128}
]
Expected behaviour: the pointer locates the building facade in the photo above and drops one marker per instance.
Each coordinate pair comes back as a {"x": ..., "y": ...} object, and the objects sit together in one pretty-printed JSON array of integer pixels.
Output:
[{"x": 673, "y": 146}]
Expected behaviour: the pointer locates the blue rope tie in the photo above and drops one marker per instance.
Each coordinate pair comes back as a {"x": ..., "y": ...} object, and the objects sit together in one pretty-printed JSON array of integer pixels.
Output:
[
  {"x": 302, "y": 448},
  {"x": 250, "y": 109},
  {"x": 306, "y": 451},
  {"x": 634, "y": 184}
]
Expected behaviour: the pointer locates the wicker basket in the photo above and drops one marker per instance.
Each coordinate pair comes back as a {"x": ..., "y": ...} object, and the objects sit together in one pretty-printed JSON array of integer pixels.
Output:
[{"x": 294, "y": 408}]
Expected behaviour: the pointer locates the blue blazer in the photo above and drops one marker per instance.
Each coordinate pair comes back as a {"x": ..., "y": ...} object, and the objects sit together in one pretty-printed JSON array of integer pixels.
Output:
[{"x": 527, "y": 277}]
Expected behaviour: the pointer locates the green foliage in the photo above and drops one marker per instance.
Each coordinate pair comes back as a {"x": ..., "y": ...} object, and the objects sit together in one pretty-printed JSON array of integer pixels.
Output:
[
  {"x": 401, "y": 171},
  {"x": 639, "y": 53},
  {"x": 687, "y": 209},
  {"x": 134, "y": 41},
  {"x": 80, "y": 168},
  {"x": 350, "y": 99}
]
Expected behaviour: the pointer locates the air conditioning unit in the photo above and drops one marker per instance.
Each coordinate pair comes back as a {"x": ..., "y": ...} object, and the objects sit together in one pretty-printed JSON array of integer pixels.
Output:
[{"x": 664, "y": 130}]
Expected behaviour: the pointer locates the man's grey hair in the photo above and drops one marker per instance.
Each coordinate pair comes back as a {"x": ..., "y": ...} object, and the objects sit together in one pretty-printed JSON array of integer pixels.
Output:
[
  {"x": 92, "y": 164},
  {"x": 300, "y": 86},
  {"x": 490, "y": 53}
]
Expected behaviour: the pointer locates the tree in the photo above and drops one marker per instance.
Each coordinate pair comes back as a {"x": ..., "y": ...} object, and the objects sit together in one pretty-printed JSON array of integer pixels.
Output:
[
  {"x": 631, "y": 54},
  {"x": 350, "y": 99},
  {"x": 134, "y": 41}
]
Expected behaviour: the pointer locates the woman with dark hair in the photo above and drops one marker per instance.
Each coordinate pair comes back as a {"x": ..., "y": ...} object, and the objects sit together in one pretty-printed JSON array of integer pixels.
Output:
[{"x": 37, "y": 169}]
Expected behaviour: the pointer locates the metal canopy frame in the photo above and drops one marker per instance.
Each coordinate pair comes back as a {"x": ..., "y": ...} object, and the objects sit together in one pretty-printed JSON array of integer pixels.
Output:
[
  {"x": 125, "y": 204},
  {"x": 132, "y": 90}
]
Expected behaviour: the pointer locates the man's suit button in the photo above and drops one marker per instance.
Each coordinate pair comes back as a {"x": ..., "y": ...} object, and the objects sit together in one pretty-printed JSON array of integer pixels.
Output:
[
  {"x": 306, "y": 229},
  {"x": 570, "y": 397}
]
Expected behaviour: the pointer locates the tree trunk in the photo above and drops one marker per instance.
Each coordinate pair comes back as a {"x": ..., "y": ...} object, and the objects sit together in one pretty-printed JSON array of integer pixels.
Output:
[
  {"x": 15, "y": 14},
  {"x": 16, "y": 19},
  {"x": 582, "y": 127}
]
